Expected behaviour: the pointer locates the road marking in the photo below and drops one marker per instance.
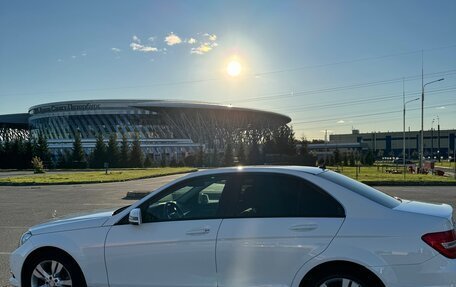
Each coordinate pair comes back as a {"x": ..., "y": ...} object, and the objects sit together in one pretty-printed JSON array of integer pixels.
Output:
[{"x": 5, "y": 253}]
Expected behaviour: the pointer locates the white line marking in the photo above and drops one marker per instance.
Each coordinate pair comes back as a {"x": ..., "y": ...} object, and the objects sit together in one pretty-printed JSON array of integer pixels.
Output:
[{"x": 5, "y": 253}]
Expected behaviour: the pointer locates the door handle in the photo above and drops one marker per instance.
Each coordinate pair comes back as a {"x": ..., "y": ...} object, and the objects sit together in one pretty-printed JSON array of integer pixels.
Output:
[
  {"x": 304, "y": 227},
  {"x": 198, "y": 231}
]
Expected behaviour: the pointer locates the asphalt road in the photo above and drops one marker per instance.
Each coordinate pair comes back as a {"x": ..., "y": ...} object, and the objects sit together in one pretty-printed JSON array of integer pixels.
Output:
[{"x": 22, "y": 207}]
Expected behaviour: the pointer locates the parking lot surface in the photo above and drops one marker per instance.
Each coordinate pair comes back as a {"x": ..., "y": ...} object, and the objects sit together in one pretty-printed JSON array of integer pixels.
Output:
[{"x": 22, "y": 207}]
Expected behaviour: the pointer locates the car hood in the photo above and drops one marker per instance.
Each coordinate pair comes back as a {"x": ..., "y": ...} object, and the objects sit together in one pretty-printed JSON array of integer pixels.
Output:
[
  {"x": 72, "y": 222},
  {"x": 438, "y": 210}
]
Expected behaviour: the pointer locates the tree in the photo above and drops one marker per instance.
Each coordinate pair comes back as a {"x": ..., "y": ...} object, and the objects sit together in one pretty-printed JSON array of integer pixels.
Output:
[
  {"x": 98, "y": 157},
  {"x": 112, "y": 151},
  {"x": 200, "y": 157},
  {"x": 369, "y": 158},
  {"x": 124, "y": 151},
  {"x": 215, "y": 158},
  {"x": 351, "y": 159},
  {"x": 336, "y": 156},
  {"x": 228, "y": 156},
  {"x": 254, "y": 153},
  {"x": 241, "y": 154},
  {"x": 284, "y": 140},
  {"x": 148, "y": 161},
  {"x": 42, "y": 150},
  {"x": 78, "y": 156},
  {"x": 136, "y": 155}
]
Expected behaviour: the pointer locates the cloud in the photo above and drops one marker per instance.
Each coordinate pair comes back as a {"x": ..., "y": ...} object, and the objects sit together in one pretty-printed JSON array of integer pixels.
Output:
[
  {"x": 211, "y": 37},
  {"x": 341, "y": 122},
  {"x": 151, "y": 39},
  {"x": 116, "y": 50},
  {"x": 191, "y": 41},
  {"x": 84, "y": 54},
  {"x": 142, "y": 48},
  {"x": 136, "y": 39},
  {"x": 201, "y": 49},
  {"x": 73, "y": 57},
  {"x": 172, "y": 39},
  {"x": 441, "y": 108}
]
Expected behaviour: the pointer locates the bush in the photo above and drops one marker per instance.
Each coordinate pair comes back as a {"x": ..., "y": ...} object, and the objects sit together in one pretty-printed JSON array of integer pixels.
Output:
[{"x": 37, "y": 165}]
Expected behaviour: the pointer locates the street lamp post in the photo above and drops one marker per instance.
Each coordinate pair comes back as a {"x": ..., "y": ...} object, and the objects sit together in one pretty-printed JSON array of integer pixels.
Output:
[
  {"x": 403, "y": 133},
  {"x": 422, "y": 121}
]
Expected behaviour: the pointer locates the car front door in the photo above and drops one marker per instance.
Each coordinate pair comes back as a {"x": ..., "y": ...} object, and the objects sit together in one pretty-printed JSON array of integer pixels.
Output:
[
  {"x": 175, "y": 243},
  {"x": 278, "y": 223}
]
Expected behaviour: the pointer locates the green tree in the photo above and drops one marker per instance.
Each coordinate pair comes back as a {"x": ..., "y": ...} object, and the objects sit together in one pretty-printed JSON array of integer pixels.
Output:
[
  {"x": 284, "y": 140},
  {"x": 200, "y": 157},
  {"x": 215, "y": 158},
  {"x": 369, "y": 158},
  {"x": 228, "y": 155},
  {"x": 98, "y": 157},
  {"x": 336, "y": 156},
  {"x": 136, "y": 155},
  {"x": 241, "y": 154},
  {"x": 124, "y": 152},
  {"x": 42, "y": 150},
  {"x": 78, "y": 156},
  {"x": 112, "y": 151},
  {"x": 148, "y": 162},
  {"x": 254, "y": 153}
]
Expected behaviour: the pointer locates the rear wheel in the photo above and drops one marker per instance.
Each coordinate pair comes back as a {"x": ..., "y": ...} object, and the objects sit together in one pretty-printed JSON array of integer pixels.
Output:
[
  {"x": 341, "y": 278},
  {"x": 55, "y": 270}
]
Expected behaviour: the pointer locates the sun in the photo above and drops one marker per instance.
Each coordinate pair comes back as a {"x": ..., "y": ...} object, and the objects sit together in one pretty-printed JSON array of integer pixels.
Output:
[{"x": 234, "y": 68}]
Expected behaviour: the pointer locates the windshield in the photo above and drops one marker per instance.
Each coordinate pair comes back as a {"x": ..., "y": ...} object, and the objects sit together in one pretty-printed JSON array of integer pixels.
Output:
[{"x": 361, "y": 189}]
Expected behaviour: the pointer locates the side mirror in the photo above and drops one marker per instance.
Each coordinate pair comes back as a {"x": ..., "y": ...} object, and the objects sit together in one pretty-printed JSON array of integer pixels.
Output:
[{"x": 135, "y": 216}]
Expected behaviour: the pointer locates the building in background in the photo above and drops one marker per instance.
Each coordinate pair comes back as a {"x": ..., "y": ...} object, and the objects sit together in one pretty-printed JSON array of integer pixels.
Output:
[
  {"x": 389, "y": 144},
  {"x": 167, "y": 129}
]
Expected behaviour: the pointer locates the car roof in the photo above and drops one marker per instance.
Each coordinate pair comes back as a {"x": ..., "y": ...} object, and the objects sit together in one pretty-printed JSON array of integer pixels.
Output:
[{"x": 262, "y": 168}]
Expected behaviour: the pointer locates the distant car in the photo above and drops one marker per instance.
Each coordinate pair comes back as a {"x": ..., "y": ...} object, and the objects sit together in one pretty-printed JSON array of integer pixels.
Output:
[{"x": 251, "y": 226}]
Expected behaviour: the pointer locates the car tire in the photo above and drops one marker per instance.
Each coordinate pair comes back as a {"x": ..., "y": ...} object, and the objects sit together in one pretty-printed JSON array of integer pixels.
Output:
[
  {"x": 342, "y": 277},
  {"x": 59, "y": 268}
]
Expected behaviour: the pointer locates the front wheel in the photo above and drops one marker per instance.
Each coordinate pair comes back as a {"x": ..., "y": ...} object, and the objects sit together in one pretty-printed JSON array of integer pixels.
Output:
[{"x": 52, "y": 271}]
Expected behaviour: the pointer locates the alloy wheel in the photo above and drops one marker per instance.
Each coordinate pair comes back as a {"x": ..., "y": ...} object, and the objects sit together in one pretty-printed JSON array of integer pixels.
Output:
[
  {"x": 51, "y": 273},
  {"x": 340, "y": 282}
]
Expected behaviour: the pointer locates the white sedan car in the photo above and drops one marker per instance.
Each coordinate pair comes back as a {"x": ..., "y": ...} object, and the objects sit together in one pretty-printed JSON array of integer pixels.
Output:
[{"x": 251, "y": 226}]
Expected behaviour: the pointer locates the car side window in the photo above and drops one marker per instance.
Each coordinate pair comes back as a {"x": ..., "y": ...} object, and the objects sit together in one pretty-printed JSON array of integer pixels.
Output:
[
  {"x": 276, "y": 195},
  {"x": 197, "y": 198}
]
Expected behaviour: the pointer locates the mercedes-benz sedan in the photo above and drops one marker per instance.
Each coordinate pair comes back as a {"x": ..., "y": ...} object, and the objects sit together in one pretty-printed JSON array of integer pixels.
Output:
[{"x": 251, "y": 226}]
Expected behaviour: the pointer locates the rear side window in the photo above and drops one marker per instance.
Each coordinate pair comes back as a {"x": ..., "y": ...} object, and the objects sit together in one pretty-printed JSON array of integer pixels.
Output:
[
  {"x": 361, "y": 189},
  {"x": 276, "y": 195}
]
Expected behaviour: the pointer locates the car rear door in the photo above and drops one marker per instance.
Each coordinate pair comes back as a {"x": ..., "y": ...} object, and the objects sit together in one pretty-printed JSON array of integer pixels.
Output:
[{"x": 275, "y": 224}]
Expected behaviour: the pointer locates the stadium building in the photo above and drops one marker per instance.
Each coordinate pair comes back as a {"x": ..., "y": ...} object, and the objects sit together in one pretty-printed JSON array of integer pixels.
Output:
[{"x": 170, "y": 129}]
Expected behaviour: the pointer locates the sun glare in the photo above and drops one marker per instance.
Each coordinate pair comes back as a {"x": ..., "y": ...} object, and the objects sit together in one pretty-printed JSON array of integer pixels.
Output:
[{"x": 234, "y": 68}]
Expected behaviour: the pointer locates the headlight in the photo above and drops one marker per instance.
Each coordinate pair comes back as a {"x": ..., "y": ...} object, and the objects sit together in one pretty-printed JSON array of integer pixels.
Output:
[{"x": 26, "y": 236}]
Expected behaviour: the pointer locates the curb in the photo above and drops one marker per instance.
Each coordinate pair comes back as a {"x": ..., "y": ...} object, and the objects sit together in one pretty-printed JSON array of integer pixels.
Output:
[{"x": 93, "y": 182}]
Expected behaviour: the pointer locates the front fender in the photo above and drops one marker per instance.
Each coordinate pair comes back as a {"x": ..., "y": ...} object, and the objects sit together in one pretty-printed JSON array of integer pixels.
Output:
[{"x": 86, "y": 246}]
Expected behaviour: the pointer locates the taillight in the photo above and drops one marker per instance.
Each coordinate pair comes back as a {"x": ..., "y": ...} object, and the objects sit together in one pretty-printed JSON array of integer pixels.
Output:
[{"x": 444, "y": 242}]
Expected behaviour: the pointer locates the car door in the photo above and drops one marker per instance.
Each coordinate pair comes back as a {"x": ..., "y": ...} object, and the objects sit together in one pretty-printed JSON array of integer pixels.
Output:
[
  {"x": 175, "y": 243},
  {"x": 277, "y": 223}
]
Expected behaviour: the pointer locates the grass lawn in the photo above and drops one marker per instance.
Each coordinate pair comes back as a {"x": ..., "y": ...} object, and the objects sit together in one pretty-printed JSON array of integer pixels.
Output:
[
  {"x": 446, "y": 164},
  {"x": 92, "y": 176},
  {"x": 375, "y": 174}
]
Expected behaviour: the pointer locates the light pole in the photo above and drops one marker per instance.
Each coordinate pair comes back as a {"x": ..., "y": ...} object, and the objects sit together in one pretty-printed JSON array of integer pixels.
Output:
[
  {"x": 403, "y": 134},
  {"x": 422, "y": 120}
]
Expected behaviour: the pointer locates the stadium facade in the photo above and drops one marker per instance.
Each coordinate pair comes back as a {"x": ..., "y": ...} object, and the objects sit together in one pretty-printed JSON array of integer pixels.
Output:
[{"x": 171, "y": 129}]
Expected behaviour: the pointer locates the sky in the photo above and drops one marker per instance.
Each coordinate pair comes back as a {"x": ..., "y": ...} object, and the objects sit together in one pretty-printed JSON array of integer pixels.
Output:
[{"x": 330, "y": 65}]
